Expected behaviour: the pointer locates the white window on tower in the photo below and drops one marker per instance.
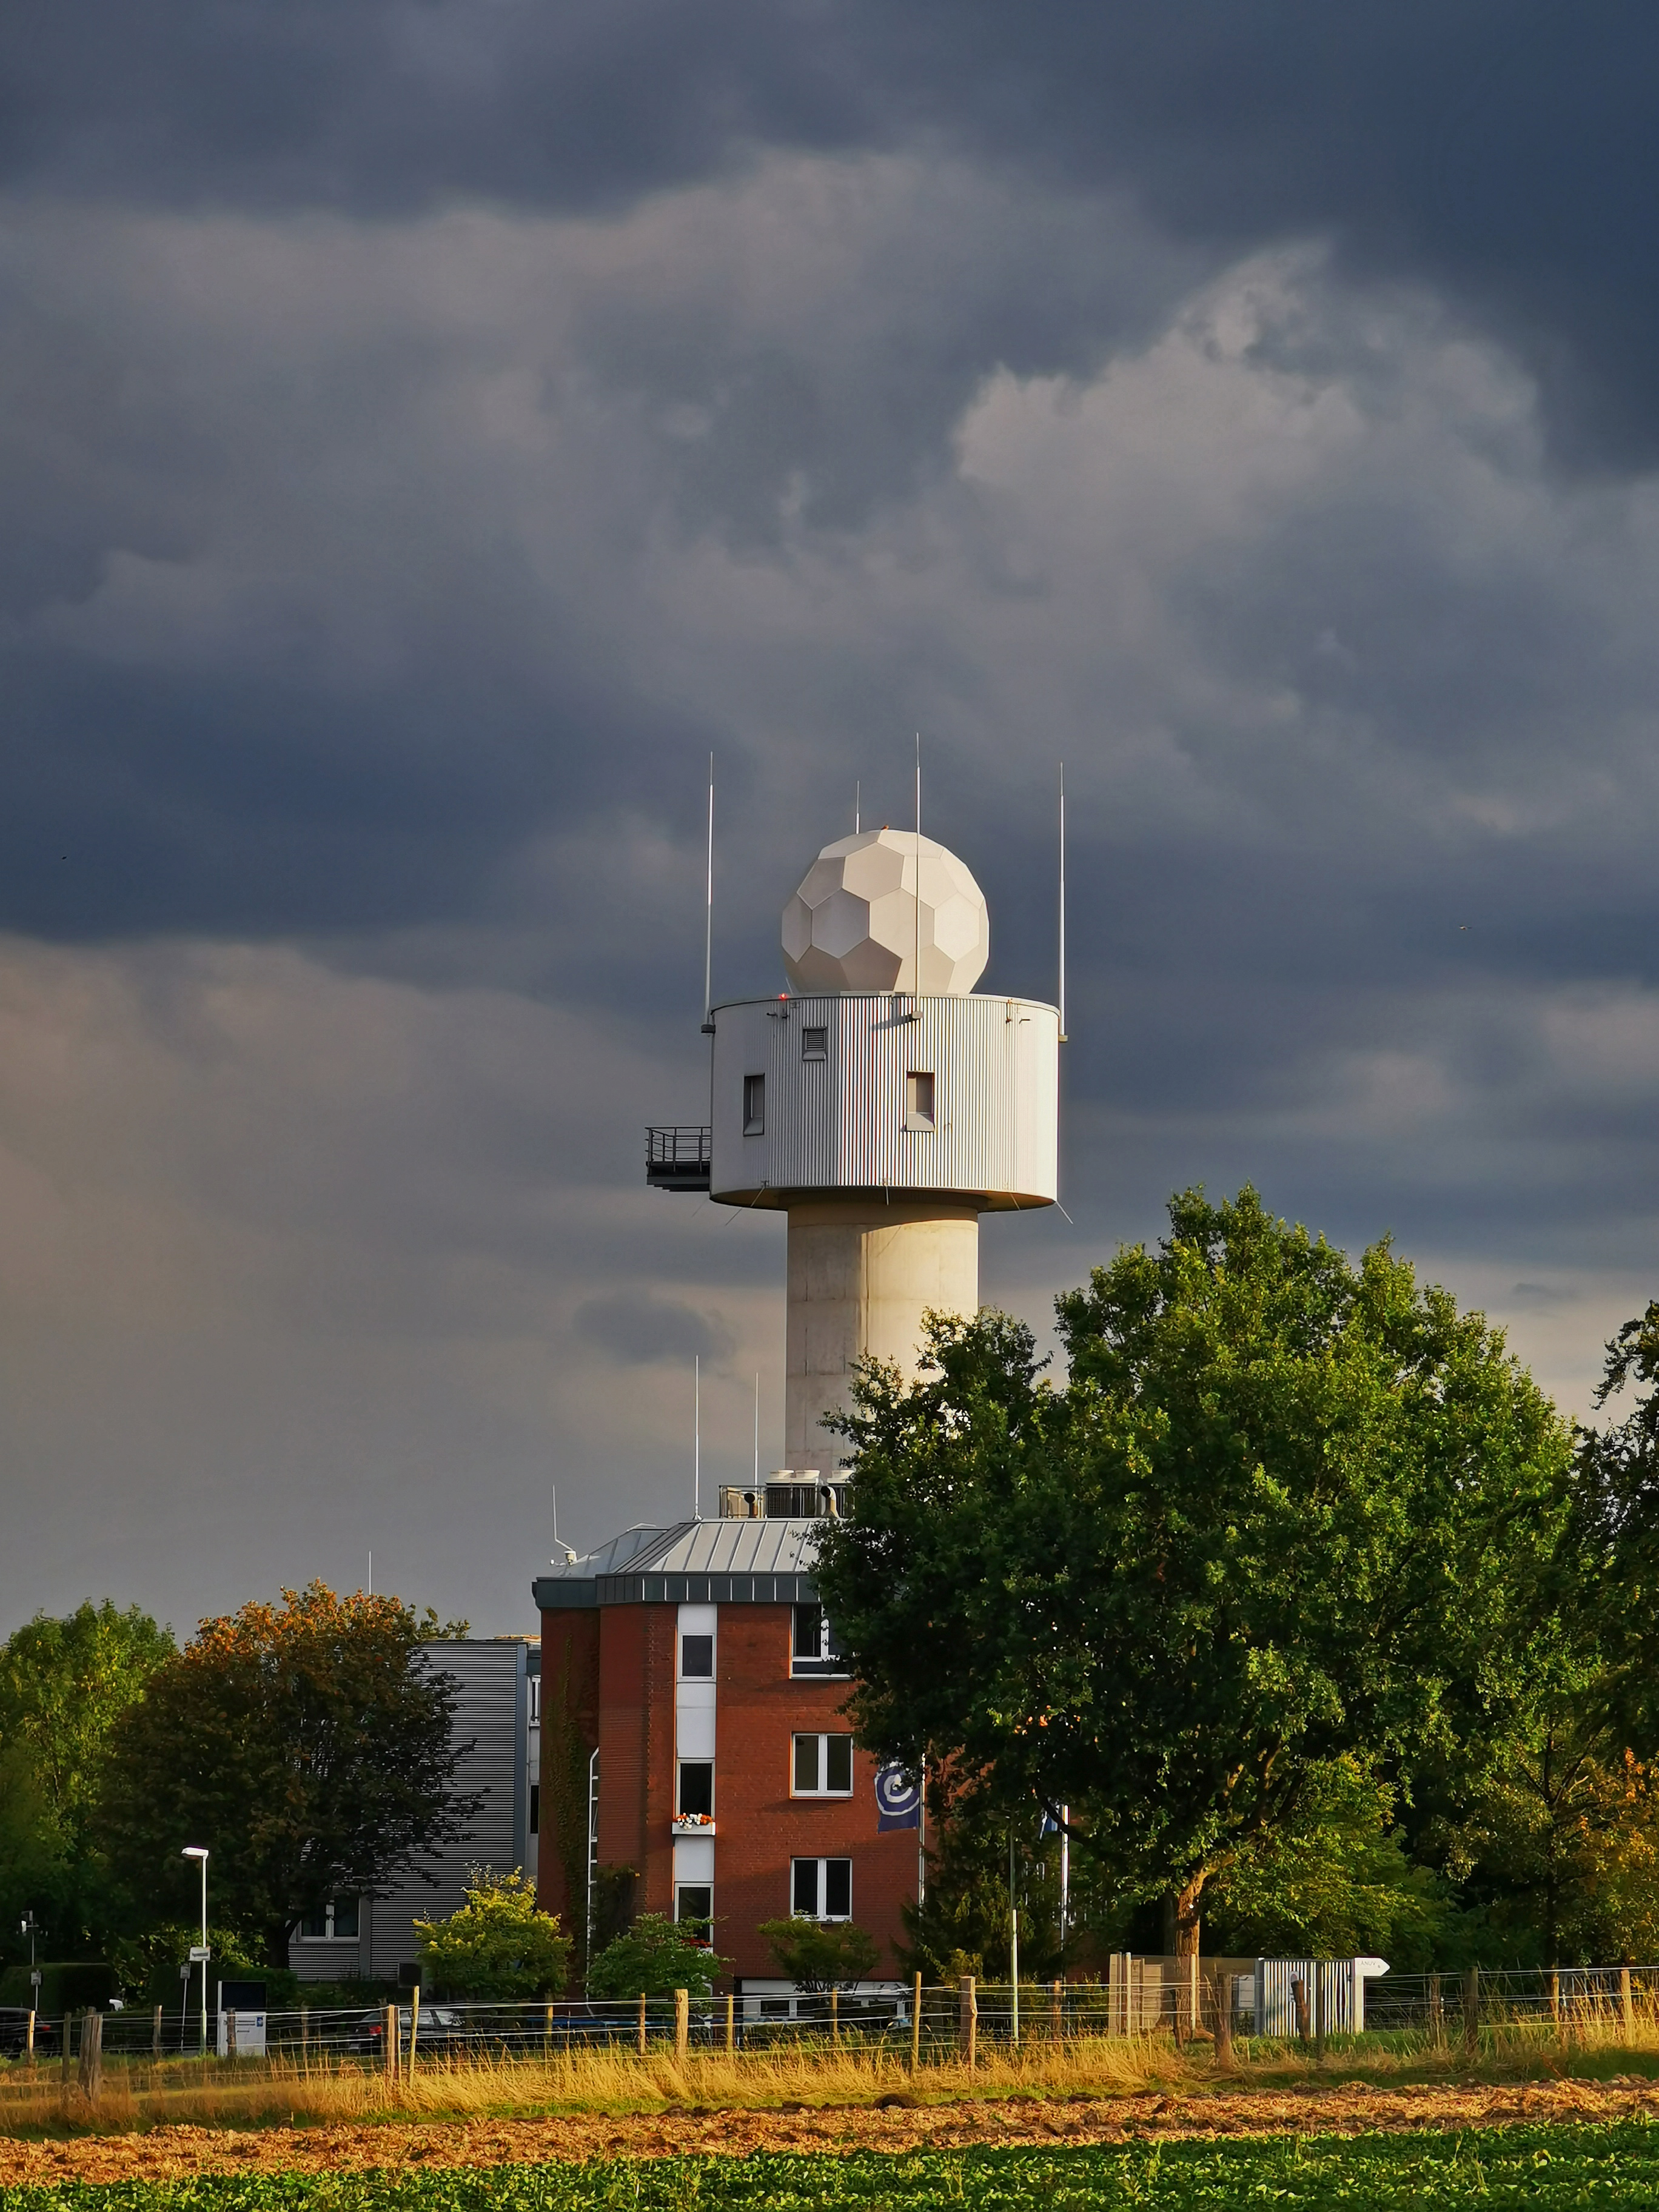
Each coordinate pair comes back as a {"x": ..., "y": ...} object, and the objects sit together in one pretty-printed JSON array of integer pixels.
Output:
[
  {"x": 754, "y": 1105},
  {"x": 820, "y": 1889},
  {"x": 823, "y": 1767},
  {"x": 919, "y": 1102}
]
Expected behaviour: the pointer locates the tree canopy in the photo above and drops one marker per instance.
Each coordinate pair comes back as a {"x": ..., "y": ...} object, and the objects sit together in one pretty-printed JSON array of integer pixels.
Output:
[
  {"x": 65, "y": 1685},
  {"x": 309, "y": 1745},
  {"x": 1285, "y": 1513}
]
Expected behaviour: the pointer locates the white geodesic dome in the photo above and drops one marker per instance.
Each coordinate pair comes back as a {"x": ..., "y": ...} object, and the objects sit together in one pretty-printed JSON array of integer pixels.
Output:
[{"x": 852, "y": 924}]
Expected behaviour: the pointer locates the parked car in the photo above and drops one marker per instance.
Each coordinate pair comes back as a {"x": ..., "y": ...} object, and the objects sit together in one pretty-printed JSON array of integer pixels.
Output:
[
  {"x": 439, "y": 2025},
  {"x": 14, "y": 2032}
]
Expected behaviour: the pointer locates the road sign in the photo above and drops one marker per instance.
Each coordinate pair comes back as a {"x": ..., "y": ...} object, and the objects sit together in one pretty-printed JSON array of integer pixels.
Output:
[{"x": 199, "y": 1954}]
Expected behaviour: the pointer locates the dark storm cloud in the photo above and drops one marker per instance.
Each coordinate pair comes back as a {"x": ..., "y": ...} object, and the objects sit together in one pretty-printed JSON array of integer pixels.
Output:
[
  {"x": 426, "y": 433},
  {"x": 1501, "y": 149}
]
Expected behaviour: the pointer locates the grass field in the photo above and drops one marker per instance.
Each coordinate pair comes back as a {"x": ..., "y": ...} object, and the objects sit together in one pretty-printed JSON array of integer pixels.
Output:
[
  {"x": 253, "y": 2093},
  {"x": 1540, "y": 2168}
]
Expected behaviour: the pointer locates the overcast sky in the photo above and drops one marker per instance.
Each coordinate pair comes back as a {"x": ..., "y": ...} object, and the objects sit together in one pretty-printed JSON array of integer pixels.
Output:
[{"x": 426, "y": 430}]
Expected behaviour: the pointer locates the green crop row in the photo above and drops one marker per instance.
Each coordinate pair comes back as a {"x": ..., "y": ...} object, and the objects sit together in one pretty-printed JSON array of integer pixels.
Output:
[{"x": 1539, "y": 2168}]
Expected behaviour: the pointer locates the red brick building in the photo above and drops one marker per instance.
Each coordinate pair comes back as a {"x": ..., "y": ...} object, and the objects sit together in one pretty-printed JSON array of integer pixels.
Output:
[{"x": 689, "y": 1674}]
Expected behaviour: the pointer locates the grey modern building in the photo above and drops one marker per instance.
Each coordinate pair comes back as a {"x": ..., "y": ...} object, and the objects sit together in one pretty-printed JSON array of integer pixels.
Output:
[{"x": 497, "y": 1711}]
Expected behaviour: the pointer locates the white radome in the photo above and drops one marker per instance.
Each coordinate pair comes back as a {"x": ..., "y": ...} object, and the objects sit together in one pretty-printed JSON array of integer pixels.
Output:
[{"x": 852, "y": 924}]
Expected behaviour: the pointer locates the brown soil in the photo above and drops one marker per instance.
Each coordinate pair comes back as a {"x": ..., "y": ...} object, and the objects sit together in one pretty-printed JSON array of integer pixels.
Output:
[{"x": 166, "y": 2153}]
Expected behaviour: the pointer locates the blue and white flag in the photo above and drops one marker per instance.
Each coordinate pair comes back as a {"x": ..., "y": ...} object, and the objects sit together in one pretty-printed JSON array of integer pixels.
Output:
[{"x": 898, "y": 1799}]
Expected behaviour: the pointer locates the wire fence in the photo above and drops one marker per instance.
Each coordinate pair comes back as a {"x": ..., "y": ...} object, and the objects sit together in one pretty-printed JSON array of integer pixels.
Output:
[{"x": 930, "y": 2022}]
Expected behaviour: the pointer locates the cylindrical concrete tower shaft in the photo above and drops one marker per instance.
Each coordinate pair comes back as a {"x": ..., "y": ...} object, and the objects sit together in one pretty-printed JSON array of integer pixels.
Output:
[{"x": 862, "y": 1275}]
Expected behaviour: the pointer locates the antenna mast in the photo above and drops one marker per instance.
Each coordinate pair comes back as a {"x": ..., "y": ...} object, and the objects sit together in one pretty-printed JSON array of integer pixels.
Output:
[
  {"x": 696, "y": 1436},
  {"x": 1062, "y": 902},
  {"x": 708, "y": 918},
  {"x": 915, "y": 974}
]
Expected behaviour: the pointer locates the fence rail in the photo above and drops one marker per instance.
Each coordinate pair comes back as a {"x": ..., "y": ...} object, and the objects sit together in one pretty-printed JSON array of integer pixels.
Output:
[{"x": 947, "y": 2018}]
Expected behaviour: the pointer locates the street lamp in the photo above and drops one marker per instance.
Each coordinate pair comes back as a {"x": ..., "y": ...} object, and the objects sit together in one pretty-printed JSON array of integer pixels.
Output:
[{"x": 198, "y": 1851}]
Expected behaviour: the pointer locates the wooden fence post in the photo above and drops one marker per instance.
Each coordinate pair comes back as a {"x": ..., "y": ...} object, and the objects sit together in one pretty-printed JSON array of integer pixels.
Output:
[
  {"x": 1222, "y": 1996},
  {"x": 968, "y": 2021},
  {"x": 1437, "y": 2011},
  {"x": 547, "y": 2037},
  {"x": 1299, "y": 2005},
  {"x": 835, "y": 2017},
  {"x": 68, "y": 2043},
  {"x": 155, "y": 2033},
  {"x": 915, "y": 2023},
  {"x": 641, "y": 2023},
  {"x": 1626, "y": 2012},
  {"x": 305, "y": 2037},
  {"x": 28, "y": 2042},
  {"x": 731, "y": 2022},
  {"x": 92, "y": 2055},
  {"x": 1555, "y": 1996},
  {"x": 393, "y": 2037},
  {"x": 682, "y": 2024},
  {"x": 1472, "y": 2011},
  {"x": 1056, "y": 2011},
  {"x": 413, "y": 2026}
]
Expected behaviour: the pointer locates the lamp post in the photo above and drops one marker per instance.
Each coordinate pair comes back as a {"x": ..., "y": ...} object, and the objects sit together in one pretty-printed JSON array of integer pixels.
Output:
[{"x": 198, "y": 1851}]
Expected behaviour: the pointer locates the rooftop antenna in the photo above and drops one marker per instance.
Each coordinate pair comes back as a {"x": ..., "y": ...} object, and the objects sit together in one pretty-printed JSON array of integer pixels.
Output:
[
  {"x": 1062, "y": 902},
  {"x": 697, "y": 1437},
  {"x": 858, "y": 793},
  {"x": 708, "y": 918},
  {"x": 559, "y": 1544},
  {"x": 915, "y": 977},
  {"x": 757, "y": 1432}
]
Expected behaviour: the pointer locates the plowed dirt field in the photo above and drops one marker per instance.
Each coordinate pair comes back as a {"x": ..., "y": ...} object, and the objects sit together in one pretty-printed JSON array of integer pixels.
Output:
[{"x": 174, "y": 2153}]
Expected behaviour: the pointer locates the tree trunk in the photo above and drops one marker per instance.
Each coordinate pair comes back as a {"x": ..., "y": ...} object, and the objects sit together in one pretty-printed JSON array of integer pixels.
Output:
[
  {"x": 276, "y": 1943},
  {"x": 1183, "y": 1926}
]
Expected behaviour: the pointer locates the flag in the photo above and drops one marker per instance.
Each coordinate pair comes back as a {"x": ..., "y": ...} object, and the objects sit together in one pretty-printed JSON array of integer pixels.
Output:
[{"x": 898, "y": 1799}]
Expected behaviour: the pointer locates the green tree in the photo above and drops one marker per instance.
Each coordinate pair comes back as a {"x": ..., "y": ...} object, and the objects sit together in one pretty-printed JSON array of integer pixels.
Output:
[
  {"x": 496, "y": 1944},
  {"x": 1617, "y": 1532},
  {"x": 65, "y": 1685},
  {"x": 309, "y": 1745},
  {"x": 817, "y": 1954},
  {"x": 1286, "y": 1513},
  {"x": 654, "y": 1957}
]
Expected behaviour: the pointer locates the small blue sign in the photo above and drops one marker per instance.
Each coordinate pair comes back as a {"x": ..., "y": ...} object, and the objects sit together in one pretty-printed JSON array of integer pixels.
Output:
[{"x": 898, "y": 1798}]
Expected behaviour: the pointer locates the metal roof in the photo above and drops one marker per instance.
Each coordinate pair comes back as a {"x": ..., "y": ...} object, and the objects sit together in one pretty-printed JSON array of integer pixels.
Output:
[{"x": 693, "y": 1563}]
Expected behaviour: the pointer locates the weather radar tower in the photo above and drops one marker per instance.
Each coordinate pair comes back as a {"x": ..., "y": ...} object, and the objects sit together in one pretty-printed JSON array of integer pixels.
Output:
[{"x": 882, "y": 1104}]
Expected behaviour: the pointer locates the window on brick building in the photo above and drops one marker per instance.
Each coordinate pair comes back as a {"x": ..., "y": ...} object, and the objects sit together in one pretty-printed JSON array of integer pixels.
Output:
[
  {"x": 696, "y": 1658},
  {"x": 823, "y": 1767},
  {"x": 535, "y": 1808},
  {"x": 696, "y": 1787},
  {"x": 820, "y": 1889},
  {"x": 814, "y": 1649}
]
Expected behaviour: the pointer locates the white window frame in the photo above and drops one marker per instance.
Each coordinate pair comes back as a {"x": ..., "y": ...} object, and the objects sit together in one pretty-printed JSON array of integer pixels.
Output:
[
  {"x": 328, "y": 1935},
  {"x": 822, "y": 1740},
  {"x": 916, "y": 1116},
  {"x": 822, "y": 1864},
  {"x": 826, "y": 1664},
  {"x": 680, "y": 1765},
  {"x": 707, "y": 1889}
]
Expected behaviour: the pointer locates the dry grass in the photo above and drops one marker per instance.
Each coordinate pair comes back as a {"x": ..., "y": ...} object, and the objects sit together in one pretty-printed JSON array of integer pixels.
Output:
[{"x": 804, "y": 2075}]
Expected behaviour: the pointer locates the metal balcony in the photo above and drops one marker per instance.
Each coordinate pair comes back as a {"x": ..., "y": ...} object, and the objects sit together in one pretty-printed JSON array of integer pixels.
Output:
[{"x": 676, "y": 1158}]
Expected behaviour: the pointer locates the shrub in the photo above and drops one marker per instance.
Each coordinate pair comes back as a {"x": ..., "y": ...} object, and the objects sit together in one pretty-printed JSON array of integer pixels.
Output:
[
  {"x": 656, "y": 1957},
  {"x": 497, "y": 1944},
  {"x": 821, "y": 1954}
]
